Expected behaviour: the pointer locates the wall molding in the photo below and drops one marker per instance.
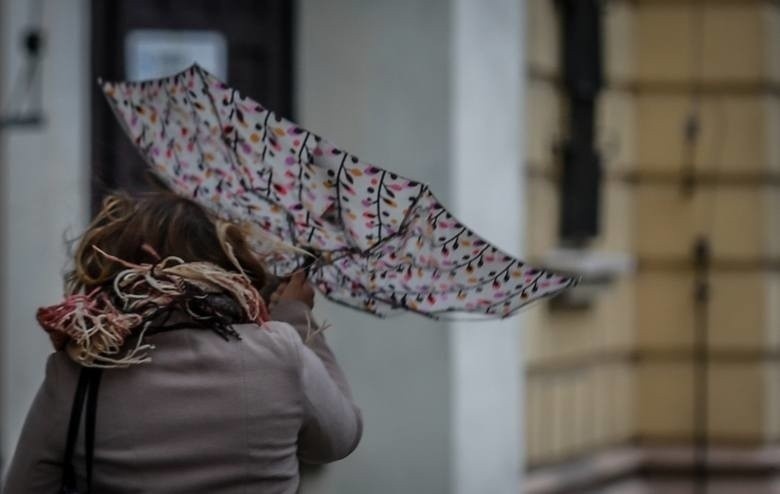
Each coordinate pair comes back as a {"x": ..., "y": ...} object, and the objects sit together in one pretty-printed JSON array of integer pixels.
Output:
[
  {"x": 563, "y": 366},
  {"x": 639, "y": 86},
  {"x": 652, "y": 175},
  {"x": 718, "y": 264},
  {"x": 757, "y": 464}
]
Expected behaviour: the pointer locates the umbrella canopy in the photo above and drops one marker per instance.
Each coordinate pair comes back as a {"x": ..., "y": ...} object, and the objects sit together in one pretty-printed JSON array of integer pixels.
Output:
[{"x": 382, "y": 242}]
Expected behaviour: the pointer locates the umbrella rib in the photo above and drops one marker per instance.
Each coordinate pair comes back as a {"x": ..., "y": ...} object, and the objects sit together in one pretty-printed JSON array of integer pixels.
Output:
[
  {"x": 338, "y": 190},
  {"x": 269, "y": 190},
  {"x": 265, "y": 128},
  {"x": 379, "y": 206},
  {"x": 300, "y": 172},
  {"x": 311, "y": 230}
]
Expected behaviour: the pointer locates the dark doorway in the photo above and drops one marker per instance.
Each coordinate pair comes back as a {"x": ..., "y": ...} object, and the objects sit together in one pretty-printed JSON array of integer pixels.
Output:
[{"x": 257, "y": 38}]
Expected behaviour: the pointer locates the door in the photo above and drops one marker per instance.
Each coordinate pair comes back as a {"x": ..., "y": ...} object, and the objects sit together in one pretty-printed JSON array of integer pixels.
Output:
[{"x": 249, "y": 40}]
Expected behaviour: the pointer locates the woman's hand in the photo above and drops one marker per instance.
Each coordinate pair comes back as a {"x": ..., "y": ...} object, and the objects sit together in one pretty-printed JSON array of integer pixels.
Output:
[{"x": 295, "y": 288}]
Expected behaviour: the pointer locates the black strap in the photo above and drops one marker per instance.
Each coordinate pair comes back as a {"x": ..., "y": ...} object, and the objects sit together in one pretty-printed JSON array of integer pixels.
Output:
[
  {"x": 91, "y": 415},
  {"x": 86, "y": 390},
  {"x": 68, "y": 472}
]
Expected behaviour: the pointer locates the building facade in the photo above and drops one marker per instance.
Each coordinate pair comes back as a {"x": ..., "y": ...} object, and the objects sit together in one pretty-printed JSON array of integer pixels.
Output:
[{"x": 688, "y": 127}]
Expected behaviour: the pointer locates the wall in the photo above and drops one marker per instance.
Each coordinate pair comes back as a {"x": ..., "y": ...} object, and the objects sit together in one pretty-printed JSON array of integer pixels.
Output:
[
  {"x": 717, "y": 61},
  {"x": 488, "y": 189},
  {"x": 431, "y": 90},
  {"x": 581, "y": 381},
  {"x": 622, "y": 372},
  {"x": 44, "y": 196},
  {"x": 373, "y": 77}
]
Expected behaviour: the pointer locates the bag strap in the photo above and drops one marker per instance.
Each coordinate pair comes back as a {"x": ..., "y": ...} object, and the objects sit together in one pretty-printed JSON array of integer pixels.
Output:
[
  {"x": 86, "y": 391},
  {"x": 68, "y": 472},
  {"x": 91, "y": 415}
]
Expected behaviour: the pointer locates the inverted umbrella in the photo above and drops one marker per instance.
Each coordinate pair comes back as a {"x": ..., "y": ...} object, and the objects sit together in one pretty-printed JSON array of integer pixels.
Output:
[{"x": 382, "y": 241}]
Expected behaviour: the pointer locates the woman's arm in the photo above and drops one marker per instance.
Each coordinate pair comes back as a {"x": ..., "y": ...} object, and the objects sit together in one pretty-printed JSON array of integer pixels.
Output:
[
  {"x": 37, "y": 463},
  {"x": 333, "y": 423}
]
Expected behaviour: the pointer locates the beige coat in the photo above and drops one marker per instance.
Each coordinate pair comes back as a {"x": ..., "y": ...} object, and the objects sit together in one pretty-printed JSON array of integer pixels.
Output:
[{"x": 206, "y": 416}]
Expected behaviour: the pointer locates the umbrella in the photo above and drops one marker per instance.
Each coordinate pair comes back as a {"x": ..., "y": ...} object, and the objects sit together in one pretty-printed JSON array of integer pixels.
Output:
[{"x": 382, "y": 242}]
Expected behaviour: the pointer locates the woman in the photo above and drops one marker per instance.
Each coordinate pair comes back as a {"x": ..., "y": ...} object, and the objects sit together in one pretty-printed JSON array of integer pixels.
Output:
[{"x": 203, "y": 389}]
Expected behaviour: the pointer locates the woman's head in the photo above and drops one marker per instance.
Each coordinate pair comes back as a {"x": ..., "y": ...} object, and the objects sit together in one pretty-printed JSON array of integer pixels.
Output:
[{"x": 155, "y": 226}]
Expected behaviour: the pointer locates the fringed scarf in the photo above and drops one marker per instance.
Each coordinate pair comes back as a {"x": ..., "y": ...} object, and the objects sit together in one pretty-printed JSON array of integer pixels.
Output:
[{"x": 95, "y": 326}]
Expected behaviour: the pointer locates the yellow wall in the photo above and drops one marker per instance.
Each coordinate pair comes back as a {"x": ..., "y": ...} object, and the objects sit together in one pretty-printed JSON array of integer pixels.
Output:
[
  {"x": 581, "y": 380},
  {"x": 622, "y": 370},
  {"x": 718, "y": 59}
]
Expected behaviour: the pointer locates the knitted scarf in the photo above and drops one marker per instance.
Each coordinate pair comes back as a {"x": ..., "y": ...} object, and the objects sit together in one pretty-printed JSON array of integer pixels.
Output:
[{"x": 94, "y": 326}]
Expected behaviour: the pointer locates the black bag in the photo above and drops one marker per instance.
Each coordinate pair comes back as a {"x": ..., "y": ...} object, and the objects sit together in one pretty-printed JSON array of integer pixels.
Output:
[{"x": 86, "y": 391}]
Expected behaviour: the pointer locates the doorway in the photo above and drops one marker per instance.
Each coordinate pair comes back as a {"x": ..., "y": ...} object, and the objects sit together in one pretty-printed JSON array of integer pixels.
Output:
[{"x": 249, "y": 41}]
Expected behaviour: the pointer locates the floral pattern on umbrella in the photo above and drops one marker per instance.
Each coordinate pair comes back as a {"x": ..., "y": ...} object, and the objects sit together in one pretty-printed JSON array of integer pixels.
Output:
[{"x": 383, "y": 241}]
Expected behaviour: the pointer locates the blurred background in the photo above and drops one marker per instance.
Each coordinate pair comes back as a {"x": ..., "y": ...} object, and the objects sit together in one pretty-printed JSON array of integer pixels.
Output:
[{"x": 635, "y": 141}]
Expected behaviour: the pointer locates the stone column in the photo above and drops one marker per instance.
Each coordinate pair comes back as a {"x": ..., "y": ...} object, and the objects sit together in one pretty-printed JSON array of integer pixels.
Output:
[
  {"x": 44, "y": 195},
  {"x": 432, "y": 90}
]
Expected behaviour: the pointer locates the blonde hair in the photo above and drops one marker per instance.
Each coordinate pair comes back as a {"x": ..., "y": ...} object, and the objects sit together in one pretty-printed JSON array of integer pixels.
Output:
[{"x": 155, "y": 226}]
